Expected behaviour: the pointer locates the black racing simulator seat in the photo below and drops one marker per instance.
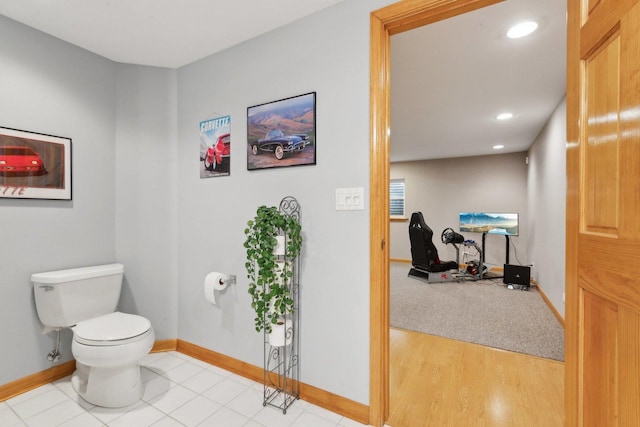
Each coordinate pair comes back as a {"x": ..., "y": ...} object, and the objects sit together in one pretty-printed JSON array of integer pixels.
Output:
[{"x": 424, "y": 255}]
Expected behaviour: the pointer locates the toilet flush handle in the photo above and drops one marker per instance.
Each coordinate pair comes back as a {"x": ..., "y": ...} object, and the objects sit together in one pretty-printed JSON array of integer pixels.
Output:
[{"x": 47, "y": 288}]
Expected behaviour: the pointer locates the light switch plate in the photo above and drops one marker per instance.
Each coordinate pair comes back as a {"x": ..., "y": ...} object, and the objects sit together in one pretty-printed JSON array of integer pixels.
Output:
[{"x": 350, "y": 199}]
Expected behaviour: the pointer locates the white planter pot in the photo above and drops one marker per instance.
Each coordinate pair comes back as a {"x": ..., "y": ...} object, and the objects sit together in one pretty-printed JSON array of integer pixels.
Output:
[{"x": 281, "y": 333}]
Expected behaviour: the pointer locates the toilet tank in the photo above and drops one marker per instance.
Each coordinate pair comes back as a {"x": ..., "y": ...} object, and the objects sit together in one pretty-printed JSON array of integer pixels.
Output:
[{"x": 66, "y": 297}]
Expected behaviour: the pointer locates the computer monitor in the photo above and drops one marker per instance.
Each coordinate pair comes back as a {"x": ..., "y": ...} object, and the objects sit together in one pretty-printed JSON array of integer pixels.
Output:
[{"x": 505, "y": 224}]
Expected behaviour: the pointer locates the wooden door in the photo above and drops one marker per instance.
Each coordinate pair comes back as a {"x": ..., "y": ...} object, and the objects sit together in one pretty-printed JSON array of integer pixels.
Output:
[{"x": 602, "y": 373}]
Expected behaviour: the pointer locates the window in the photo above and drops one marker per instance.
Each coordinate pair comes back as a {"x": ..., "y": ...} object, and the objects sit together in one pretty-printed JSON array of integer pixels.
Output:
[{"x": 396, "y": 198}]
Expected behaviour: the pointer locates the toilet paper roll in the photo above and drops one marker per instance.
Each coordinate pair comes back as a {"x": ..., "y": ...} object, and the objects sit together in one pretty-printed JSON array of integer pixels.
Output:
[
  {"x": 279, "y": 249},
  {"x": 214, "y": 282},
  {"x": 281, "y": 333}
]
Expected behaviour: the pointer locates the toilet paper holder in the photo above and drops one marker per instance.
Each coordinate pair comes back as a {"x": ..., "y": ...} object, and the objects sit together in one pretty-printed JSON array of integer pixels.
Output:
[
  {"x": 216, "y": 282},
  {"x": 228, "y": 279},
  {"x": 231, "y": 280}
]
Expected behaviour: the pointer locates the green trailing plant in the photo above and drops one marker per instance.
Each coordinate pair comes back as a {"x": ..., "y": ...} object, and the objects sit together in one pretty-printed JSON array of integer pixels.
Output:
[{"x": 270, "y": 285}]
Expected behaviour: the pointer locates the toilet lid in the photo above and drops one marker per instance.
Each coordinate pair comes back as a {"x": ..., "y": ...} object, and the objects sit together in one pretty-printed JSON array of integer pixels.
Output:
[{"x": 112, "y": 327}]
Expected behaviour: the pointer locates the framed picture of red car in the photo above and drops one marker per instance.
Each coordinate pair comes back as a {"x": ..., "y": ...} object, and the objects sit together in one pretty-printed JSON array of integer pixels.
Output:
[
  {"x": 34, "y": 165},
  {"x": 215, "y": 147},
  {"x": 282, "y": 133}
]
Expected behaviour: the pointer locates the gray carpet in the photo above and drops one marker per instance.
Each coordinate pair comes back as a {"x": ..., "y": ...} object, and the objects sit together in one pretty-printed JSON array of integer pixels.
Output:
[{"x": 483, "y": 312}]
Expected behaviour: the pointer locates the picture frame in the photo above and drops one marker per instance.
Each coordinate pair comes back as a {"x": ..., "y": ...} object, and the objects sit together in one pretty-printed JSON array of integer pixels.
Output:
[
  {"x": 282, "y": 133},
  {"x": 215, "y": 147},
  {"x": 34, "y": 165}
]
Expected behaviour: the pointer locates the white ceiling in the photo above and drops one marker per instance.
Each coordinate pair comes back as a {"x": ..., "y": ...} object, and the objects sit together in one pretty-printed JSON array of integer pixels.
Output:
[
  {"x": 163, "y": 33},
  {"x": 449, "y": 79}
]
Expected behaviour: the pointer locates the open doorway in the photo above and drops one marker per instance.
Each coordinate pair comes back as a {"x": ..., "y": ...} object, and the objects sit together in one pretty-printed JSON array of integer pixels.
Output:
[
  {"x": 462, "y": 162},
  {"x": 385, "y": 23}
]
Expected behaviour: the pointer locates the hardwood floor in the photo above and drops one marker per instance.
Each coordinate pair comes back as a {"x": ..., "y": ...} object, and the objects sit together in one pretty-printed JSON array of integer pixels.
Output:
[{"x": 440, "y": 382}]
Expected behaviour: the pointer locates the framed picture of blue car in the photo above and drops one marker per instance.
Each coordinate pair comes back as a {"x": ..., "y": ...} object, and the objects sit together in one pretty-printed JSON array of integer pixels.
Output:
[{"x": 282, "y": 133}]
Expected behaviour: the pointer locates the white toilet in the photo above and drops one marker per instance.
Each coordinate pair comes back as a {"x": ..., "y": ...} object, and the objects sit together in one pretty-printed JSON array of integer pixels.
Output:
[{"x": 107, "y": 344}]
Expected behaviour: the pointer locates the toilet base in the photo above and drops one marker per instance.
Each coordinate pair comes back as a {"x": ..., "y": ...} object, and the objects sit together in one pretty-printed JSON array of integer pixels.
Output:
[{"x": 110, "y": 387}]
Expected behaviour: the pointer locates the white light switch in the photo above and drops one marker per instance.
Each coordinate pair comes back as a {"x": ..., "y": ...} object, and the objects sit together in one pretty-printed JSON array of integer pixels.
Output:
[{"x": 350, "y": 199}]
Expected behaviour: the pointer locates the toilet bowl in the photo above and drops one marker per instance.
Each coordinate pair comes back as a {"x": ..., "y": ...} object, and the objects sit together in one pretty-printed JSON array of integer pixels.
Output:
[
  {"x": 107, "y": 344},
  {"x": 107, "y": 350}
]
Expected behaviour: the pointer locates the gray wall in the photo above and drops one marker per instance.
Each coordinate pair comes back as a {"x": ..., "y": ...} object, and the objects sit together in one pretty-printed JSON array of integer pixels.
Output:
[
  {"x": 147, "y": 193},
  {"x": 52, "y": 87},
  {"x": 138, "y": 198},
  {"x": 443, "y": 188},
  {"x": 328, "y": 53},
  {"x": 547, "y": 185}
]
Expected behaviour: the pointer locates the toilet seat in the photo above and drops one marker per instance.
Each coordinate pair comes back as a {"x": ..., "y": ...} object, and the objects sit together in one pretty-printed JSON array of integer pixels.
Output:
[{"x": 112, "y": 329}]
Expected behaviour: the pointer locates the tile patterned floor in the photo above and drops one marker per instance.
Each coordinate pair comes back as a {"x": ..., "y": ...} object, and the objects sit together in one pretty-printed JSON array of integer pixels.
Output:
[{"x": 179, "y": 391}]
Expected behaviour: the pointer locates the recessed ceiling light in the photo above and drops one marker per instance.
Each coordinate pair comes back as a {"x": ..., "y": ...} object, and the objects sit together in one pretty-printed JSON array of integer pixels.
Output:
[
  {"x": 522, "y": 29},
  {"x": 498, "y": 147},
  {"x": 504, "y": 116}
]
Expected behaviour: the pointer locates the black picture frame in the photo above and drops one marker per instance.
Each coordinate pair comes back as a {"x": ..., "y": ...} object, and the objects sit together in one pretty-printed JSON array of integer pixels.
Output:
[{"x": 282, "y": 133}]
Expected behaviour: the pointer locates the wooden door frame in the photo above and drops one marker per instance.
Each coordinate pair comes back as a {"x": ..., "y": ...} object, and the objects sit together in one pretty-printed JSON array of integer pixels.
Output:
[
  {"x": 396, "y": 18},
  {"x": 574, "y": 94}
]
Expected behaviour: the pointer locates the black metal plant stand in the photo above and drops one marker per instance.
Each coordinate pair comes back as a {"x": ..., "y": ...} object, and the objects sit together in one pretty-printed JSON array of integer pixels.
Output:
[{"x": 281, "y": 364}]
